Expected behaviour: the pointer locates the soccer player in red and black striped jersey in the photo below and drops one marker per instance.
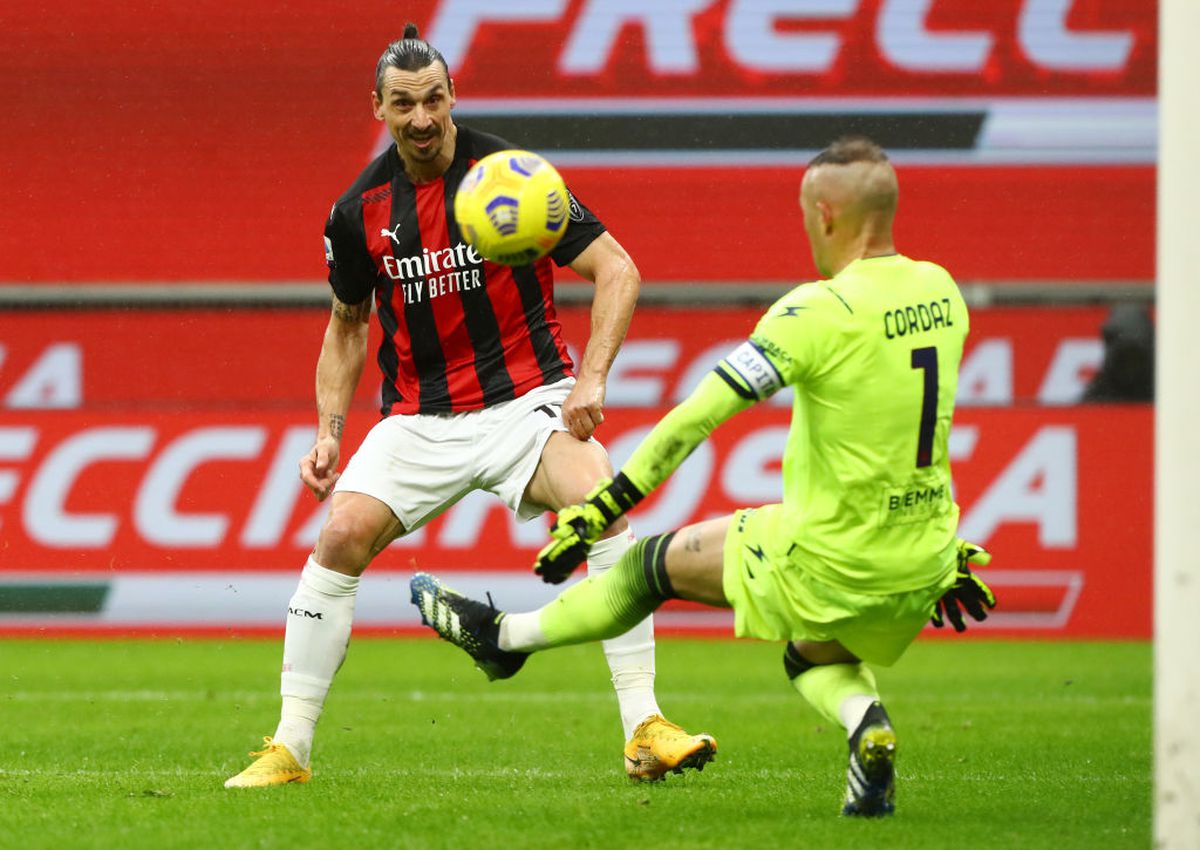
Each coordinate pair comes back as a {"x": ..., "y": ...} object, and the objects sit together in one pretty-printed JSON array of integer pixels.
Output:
[{"x": 478, "y": 392}]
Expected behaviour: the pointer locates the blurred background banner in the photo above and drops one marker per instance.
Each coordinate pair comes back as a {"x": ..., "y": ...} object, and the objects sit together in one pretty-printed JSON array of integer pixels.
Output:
[
  {"x": 168, "y": 168},
  {"x": 156, "y": 504},
  {"x": 209, "y": 139},
  {"x": 209, "y": 359},
  {"x": 183, "y": 473}
]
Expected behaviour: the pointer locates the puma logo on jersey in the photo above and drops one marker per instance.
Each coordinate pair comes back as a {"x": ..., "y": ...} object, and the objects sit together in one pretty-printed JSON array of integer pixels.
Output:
[{"x": 394, "y": 233}]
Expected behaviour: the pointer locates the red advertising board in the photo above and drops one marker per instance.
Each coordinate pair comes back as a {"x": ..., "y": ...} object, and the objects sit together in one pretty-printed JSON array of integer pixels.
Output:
[
  {"x": 147, "y": 455},
  {"x": 1062, "y": 497},
  {"x": 1025, "y": 130},
  {"x": 223, "y": 359},
  {"x": 148, "y": 466},
  {"x": 586, "y": 48}
]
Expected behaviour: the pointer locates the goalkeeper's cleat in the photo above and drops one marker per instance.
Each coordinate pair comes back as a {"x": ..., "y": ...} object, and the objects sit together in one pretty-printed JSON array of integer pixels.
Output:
[
  {"x": 272, "y": 765},
  {"x": 659, "y": 747},
  {"x": 468, "y": 624},
  {"x": 871, "y": 777}
]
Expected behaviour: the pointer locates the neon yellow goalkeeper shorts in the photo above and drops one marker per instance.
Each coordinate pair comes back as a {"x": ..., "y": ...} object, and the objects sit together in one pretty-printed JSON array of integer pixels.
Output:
[{"x": 777, "y": 599}]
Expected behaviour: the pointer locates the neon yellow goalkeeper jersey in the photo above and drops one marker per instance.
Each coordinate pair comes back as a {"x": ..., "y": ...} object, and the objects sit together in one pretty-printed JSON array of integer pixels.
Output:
[{"x": 873, "y": 355}]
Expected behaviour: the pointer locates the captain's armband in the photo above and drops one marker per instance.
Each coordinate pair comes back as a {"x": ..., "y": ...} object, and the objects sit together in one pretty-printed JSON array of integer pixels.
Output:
[{"x": 750, "y": 373}]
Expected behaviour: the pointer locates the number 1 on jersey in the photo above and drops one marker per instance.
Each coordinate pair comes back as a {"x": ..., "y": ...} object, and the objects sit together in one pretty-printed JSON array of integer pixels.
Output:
[{"x": 926, "y": 359}]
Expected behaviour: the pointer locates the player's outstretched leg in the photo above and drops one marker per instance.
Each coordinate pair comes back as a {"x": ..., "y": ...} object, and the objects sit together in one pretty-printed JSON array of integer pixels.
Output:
[
  {"x": 274, "y": 764},
  {"x": 466, "y": 623},
  {"x": 871, "y": 776},
  {"x": 659, "y": 747}
]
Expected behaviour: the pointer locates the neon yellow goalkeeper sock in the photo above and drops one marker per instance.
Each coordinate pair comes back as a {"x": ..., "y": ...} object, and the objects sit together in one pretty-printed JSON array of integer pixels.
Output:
[
  {"x": 838, "y": 691},
  {"x": 604, "y": 606}
]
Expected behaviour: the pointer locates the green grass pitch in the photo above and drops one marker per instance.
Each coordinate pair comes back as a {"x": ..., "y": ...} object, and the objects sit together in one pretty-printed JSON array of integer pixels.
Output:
[{"x": 1002, "y": 744}]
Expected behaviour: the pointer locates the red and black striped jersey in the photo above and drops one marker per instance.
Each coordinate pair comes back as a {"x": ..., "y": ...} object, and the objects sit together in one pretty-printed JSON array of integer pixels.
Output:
[{"x": 459, "y": 332}]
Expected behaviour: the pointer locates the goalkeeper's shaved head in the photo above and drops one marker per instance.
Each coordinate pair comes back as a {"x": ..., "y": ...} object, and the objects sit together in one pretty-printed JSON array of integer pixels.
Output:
[
  {"x": 849, "y": 196},
  {"x": 856, "y": 171}
]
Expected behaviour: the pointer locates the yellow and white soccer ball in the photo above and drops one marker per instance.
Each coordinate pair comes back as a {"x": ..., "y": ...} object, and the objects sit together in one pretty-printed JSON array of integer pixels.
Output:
[{"x": 512, "y": 207}]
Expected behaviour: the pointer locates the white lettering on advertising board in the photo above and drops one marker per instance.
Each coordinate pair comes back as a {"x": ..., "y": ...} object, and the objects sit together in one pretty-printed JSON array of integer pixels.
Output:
[
  {"x": 1038, "y": 486},
  {"x": 760, "y": 35}
]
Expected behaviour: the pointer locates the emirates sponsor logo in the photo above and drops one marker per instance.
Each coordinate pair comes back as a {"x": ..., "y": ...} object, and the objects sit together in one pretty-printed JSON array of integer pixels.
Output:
[{"x": 432, "y": 274}]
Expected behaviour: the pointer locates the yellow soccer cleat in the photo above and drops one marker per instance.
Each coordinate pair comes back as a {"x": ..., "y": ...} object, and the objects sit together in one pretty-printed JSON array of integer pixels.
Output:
[
  {"x": 273, "y": 765},
  {"x": 658, "y": 746}
]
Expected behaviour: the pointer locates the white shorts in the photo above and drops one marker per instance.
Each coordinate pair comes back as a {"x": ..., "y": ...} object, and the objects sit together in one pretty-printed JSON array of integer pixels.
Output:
[{"x": 421, "y": 464}]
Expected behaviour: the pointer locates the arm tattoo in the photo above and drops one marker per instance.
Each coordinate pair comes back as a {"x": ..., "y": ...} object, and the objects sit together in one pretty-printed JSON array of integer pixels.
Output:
[
  {"x": 692, "y": 544},
  {"x": 352, "y": 312},
  {"x": 336, "y": 425}
]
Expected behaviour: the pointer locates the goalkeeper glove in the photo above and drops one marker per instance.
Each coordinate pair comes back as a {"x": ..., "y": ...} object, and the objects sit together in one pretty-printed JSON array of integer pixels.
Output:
[
  {"x": 579, "y": 526},
  {"x": 969, "y": 590}
]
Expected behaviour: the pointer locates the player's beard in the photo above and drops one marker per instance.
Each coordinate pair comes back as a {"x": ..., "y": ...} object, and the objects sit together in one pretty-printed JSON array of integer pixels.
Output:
[{"x": 434, "y": 136}]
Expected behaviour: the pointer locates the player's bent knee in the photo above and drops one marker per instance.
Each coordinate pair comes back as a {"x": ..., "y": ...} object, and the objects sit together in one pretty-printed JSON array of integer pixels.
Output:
[
  {"x": 348, "y": 541},
  {"x": 801, "y": 656},
  {"x": 567, "y": 472},
  {"x": 573, "y": 484},
  {"x": 794, "y": 664},
  {"x": 339, "y": 548},
  {"x": 564, "y": 451}
]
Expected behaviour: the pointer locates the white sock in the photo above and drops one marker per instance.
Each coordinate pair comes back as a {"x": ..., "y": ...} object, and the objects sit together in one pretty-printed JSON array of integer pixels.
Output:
[
  {"x": 853, "y": 709},
  {"x": 631, "y": 655},
  {"x": 320, "y": 614},
  {"x": 522, "y": 632}
]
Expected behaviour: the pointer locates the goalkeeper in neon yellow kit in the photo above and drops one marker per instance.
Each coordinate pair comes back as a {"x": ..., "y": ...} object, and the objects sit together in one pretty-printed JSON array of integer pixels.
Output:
[{"x": 861, "y": 552}]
